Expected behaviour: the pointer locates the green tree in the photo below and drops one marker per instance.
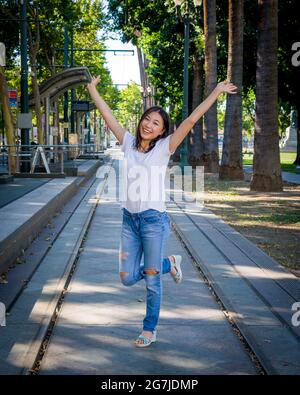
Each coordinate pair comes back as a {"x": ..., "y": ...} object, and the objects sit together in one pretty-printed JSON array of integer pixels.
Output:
[
  {"x": 266, "y": 161},
  {"x": 129, "y": 107},
  {"x": 289, "y": 73},
  {"x": 211, "y": 150},
  {"x": 47, "y": 19},
  {"x": 161, "y": 40},
  {"x": 232, "y": 166},
  {"x": 9, "y": 36}
]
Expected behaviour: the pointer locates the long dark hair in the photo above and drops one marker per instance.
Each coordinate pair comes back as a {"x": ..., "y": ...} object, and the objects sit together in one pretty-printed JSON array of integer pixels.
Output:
[{"x": 166, "y": 122}]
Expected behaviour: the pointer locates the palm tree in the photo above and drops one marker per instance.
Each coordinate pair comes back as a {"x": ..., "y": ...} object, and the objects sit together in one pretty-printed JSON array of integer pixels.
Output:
[
  {"x": 196, "y": 135},
  {"x": 211, "y": 151},
  {"x": 8, "y": 122},
  {"x": 34, "y": 46},
  {"x": 266, "y": 160},
  {"x": 145, "y": 83},
  {"x": 232, "y": 164}
]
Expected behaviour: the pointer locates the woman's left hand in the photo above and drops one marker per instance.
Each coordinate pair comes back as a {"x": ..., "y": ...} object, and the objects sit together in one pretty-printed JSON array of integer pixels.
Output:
[{"x": 227, "y": 87}]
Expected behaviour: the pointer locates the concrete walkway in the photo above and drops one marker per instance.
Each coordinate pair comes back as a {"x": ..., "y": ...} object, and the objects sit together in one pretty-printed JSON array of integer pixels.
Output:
[
  {"x": 287, "y": 176},
  {"x": 100, "y": 318},
  {"x": 294, "y": 178},
  {"x": 33, "y": 206},
  {"x": 257, "y": 293},
  {"x": 21, "y": 186},
  {"x": 18, "y": 188},
  {"x": 30, "y": 316}
]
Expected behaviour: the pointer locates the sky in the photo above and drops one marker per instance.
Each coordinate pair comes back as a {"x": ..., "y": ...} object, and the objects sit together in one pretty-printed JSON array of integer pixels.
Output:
[{"x": 123, "y": 68}]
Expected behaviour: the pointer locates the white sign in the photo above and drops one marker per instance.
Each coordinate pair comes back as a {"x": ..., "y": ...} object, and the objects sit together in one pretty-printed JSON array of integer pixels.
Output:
[
  {"x": 2, "y": 314},
  {"x": 2, "y": 54},
  {"x": 24, "y": 120},
  {"x": 39, "y": 151},
  {"x": 54, "y": 130}
]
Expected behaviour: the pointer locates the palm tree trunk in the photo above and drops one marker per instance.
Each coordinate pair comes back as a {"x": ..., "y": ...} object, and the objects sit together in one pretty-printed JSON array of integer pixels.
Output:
[
  {"x": 196, "y": 148},
  {"x": 176, "y": 156},
  {"x": 34, "y": 44},
  {"x": 232, "y": 163},
  {"x": 7, "y": 120},
  {"x": 211, "y": 150},
  {"x": 297, "y": 161},
  {"x": 37, "y": 105},
  {"x": 266, "y": 160},
  {"x": 143, "y": 64},
  {"x": 147, "y": 87}
]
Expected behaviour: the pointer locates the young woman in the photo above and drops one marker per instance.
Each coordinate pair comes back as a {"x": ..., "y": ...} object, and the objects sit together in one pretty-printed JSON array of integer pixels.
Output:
[{"x": 146, "y": 224}]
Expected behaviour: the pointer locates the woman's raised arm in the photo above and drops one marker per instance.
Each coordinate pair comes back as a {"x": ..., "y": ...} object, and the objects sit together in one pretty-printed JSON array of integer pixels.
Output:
[
  {"x": 185, "y": 127},
  {"x": 106, "y": 112}
]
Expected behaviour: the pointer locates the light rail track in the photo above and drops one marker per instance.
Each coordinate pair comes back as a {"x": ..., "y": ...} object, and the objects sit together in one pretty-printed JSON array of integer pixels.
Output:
[{"x": 42, "y": 343}]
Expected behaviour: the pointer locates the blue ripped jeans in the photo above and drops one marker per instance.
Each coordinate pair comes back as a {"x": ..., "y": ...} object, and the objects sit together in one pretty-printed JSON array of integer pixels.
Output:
[{"x": 145, "y": 234}]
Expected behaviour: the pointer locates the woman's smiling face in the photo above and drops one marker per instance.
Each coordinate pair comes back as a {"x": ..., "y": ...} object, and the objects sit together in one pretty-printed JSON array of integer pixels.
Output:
[{"x": 151, "y": 126}]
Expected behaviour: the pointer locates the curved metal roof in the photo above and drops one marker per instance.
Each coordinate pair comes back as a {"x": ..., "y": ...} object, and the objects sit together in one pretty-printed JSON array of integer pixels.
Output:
[{"x": 59, "y": 83}]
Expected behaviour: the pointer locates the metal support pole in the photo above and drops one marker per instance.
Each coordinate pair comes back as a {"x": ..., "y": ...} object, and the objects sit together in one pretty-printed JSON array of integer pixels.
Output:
[
  {"x": 85, "y": 129},
  {"x": 101, "y": 134},
  {"x": 47, "y": 123},
  {"x": 66, "y": 96},
  {"x": 72, "y": 90},
  {"x": 3, "y": 130},
  {"x": 89, "y": 128},
  {"x": 25, "y": 166},
  {"x": 184, "y": 144}
]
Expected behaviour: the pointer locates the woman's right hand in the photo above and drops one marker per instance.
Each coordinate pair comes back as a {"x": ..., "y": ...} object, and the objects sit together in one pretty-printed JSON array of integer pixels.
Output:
[{"x": 95, "y": 81}]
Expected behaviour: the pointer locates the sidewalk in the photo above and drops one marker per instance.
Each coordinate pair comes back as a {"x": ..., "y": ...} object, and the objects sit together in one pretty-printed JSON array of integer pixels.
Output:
[
  {"x": 287, "y": 176},
  {"x": 21, "y": 186},
  {"x": 100, "y": 318},
  {"x": 32, "y": 203},
  {"x": 18, "y": 188}
]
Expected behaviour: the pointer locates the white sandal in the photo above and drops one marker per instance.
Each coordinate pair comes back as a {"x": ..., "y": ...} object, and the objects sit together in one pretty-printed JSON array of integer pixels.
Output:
[
  {"x": 177, "y": 277},
  {"x": 146, "y": 340}
]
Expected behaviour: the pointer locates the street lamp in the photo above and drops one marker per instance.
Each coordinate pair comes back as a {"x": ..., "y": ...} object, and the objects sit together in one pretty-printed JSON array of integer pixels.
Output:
[
  {"x": 149, "y": 93},
  {"x": 146, "y": 93},
  {"x": 186, "y": 20},
  {"x": 66, "y": 95},
  {"x": 143, "y": 98}
]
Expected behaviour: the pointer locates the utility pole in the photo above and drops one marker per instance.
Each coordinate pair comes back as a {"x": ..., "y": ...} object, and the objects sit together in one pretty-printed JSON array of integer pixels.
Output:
[
  {"x": 66, "y": 96},
  {"x": 25, "y": 166},
  {"x": 72, "y": 90},
  {"x": 185, "y": 110}
]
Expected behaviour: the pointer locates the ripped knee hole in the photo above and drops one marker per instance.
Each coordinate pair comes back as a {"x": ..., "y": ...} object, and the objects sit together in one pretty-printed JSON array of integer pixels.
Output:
[
  {"x": 123, "y": 274},
  {"x": 152, "y": 272},
  {"x": 123, "y": 255}
]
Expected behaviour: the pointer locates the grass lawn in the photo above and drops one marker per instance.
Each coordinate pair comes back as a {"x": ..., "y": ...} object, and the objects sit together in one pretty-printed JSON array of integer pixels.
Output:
[
  {"x": 269, "y": 220},
  {"x": 286, "y": 160}
]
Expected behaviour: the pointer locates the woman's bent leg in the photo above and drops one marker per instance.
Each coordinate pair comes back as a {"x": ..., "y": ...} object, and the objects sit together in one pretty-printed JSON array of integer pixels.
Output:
[
  {"x": 130, "y": 254},
  {"x": 155, "y": 231},
  {"x": 153, "y": 285},
  {"x": 166, "y": 266}
]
